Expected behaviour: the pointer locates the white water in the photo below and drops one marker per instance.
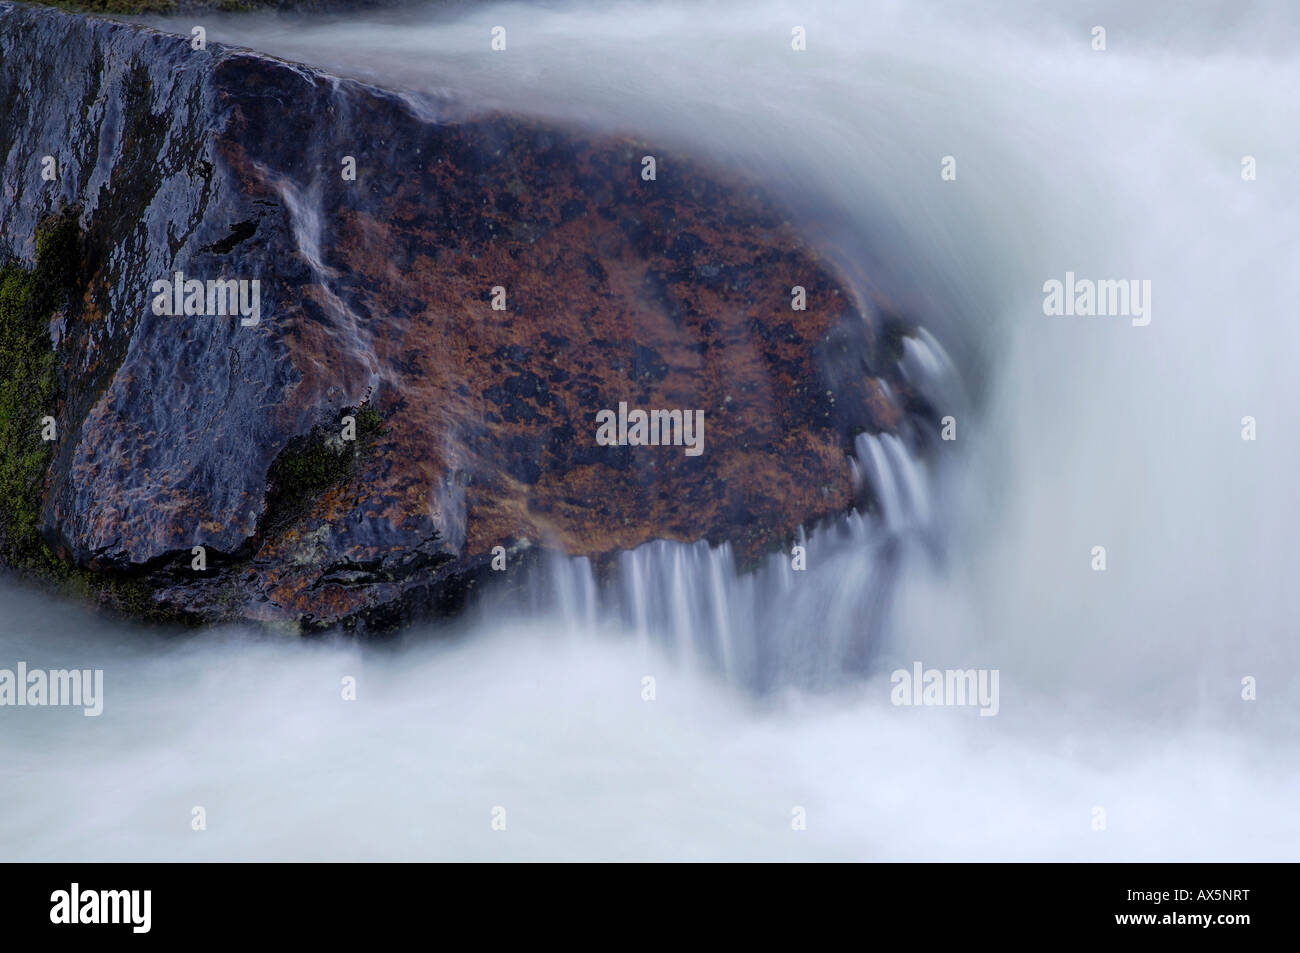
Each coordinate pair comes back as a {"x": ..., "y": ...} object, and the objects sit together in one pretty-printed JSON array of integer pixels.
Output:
[{"x": 1118, "y": 689}]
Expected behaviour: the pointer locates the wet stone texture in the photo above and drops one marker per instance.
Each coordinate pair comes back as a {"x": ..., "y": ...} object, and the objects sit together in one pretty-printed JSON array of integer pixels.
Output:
[{"x": 479, "y": 425}]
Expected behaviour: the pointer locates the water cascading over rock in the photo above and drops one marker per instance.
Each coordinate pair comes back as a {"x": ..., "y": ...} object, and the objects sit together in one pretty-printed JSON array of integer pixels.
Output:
[{"x": 380, "y": 310}]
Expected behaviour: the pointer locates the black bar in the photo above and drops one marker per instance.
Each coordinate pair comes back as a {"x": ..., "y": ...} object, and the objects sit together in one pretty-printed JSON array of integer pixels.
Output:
[{"x": 329, "y": 902}]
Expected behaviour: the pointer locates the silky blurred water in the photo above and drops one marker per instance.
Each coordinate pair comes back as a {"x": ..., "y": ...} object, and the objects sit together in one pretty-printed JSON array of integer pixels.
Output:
[{"x": 1120, "y": 690}]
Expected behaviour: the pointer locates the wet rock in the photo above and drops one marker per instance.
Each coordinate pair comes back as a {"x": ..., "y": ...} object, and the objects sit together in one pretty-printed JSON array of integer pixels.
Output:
[{"x": 380, "y": 303}]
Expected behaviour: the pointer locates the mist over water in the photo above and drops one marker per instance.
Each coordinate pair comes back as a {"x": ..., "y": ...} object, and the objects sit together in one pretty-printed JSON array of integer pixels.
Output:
[{"x": 1119, "y": 689}]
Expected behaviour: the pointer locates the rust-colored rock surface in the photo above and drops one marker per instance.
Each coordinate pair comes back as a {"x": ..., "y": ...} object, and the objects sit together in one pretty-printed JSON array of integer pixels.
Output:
[{"x": 477, "y": 423}]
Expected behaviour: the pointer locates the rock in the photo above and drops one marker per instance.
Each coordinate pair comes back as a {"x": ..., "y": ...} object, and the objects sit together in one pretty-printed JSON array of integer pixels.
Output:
[{"x": 475, "y": 427}]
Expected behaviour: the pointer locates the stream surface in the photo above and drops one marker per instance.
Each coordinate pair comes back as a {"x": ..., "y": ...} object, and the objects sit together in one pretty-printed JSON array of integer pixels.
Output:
[{"x": 1120, "y": 691}]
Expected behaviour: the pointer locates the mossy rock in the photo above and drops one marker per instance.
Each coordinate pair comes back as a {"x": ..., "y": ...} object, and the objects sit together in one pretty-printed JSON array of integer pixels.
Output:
[
  {"x": 29, "y": 384},
  {"x": 315, "y": 462},
  {"x": 141, "y": 7}
]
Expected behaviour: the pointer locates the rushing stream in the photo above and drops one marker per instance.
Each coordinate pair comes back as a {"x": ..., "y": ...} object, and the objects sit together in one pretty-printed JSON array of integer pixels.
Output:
[{"x": 1120, "y": 690}]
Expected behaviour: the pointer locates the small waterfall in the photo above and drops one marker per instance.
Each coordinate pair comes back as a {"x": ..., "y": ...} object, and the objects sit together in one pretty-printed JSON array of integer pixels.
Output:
[
  {"x": 926, "y": 366},
  {"x": 764, "y": 629},
  {"x": 305, "y": 217},
  {"x": 574, "y": 588},
  {"x": 351, "y": 332},
  {"x": 774, "y": 625},
  {"x": 896, "y": 479}
]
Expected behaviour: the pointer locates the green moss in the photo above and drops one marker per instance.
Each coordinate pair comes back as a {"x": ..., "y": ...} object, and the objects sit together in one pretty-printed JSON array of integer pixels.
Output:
[
  {"x": 134, "y": 7},
  {"x": 138, "y": 7},
  {"x": 29, "y": 385},
  {"x": 30, "y": 389},
  {"x": 369, "y": 422},
  {"x": 128, "y": 595},
  {"x": 125, "y": 7},
  {"x": 314, "y": 463}
]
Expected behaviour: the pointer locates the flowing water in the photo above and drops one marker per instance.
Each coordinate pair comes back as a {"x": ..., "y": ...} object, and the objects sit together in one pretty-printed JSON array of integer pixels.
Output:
[{"x": 1119, "y": 690}]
